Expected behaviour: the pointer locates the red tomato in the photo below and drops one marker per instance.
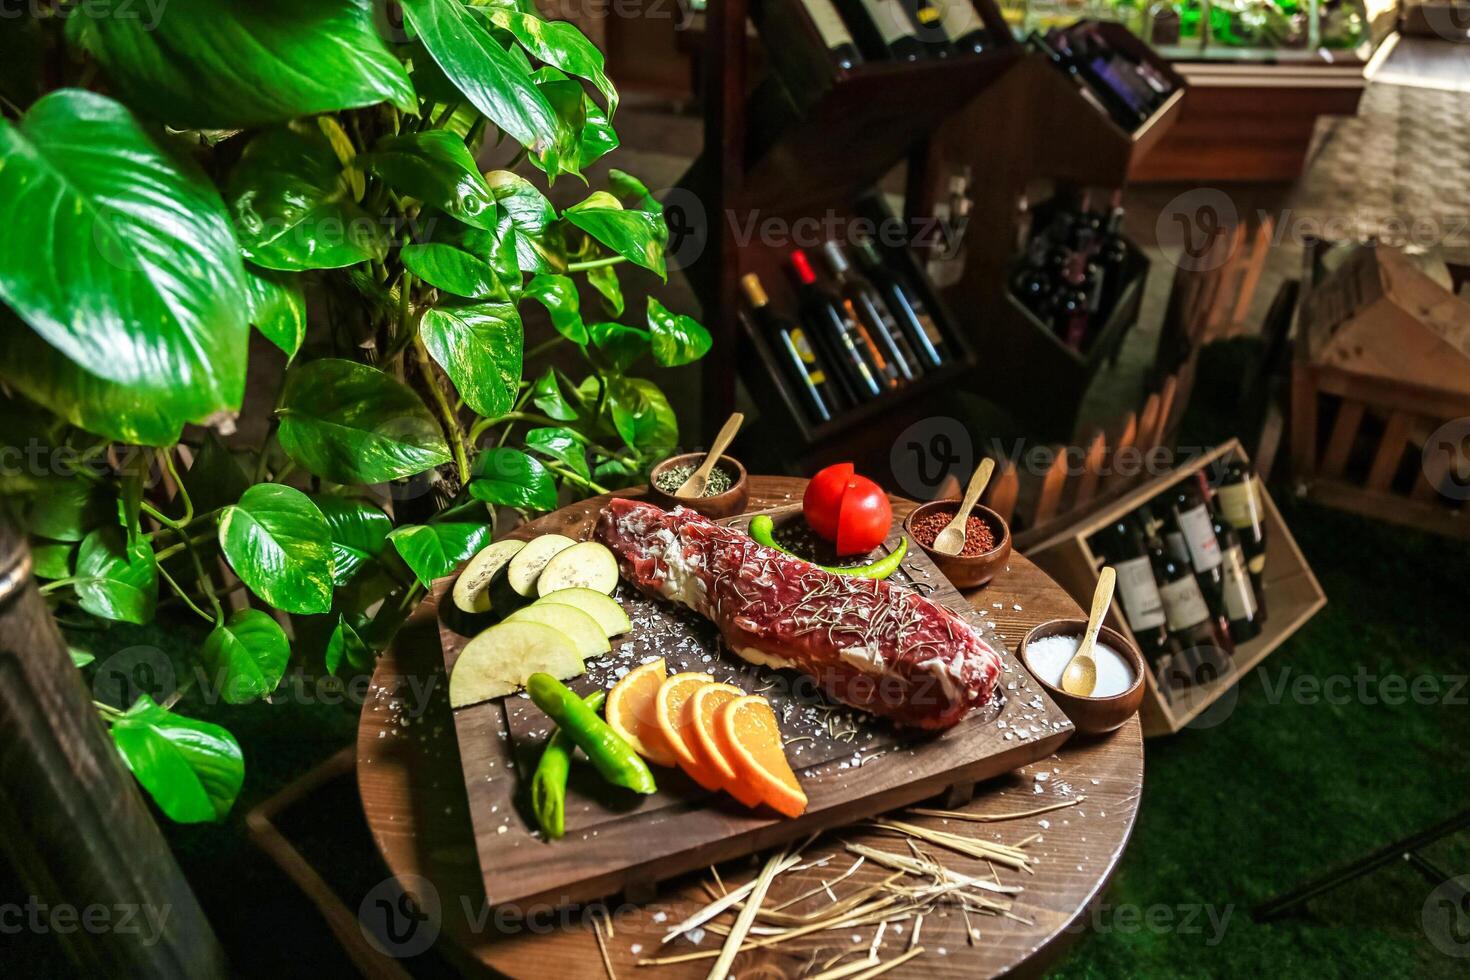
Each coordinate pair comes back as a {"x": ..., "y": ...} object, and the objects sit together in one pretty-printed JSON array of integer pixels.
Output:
[
  {"x": 864, "y": 517},
  {"x": 821, "y": 505}
]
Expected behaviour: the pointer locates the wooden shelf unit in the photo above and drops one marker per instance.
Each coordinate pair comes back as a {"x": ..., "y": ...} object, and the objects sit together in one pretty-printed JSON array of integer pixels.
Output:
[
  {"x": 1033, "y": 125},
  {"x": 811, "y": 139},
  {"x": 1293, "y": 594}
]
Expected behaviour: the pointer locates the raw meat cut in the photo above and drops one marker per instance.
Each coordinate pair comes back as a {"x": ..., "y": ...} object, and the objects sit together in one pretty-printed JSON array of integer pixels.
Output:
[{"x": 870, "y": 644}]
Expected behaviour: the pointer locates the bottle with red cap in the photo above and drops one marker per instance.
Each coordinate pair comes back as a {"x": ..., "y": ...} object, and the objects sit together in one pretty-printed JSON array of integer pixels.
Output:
[{"x": 834, "y": 331}]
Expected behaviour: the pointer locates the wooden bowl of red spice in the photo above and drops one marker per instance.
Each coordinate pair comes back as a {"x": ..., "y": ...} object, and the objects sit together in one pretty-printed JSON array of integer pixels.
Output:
[{"x": 987, "y": 541}]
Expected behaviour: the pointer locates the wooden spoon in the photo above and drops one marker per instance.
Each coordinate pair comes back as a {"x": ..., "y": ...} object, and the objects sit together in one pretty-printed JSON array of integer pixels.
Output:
[
  {"x": 699, "y": 479},
  {"x": 1079, "y": 677},
  {"x": 951, "y": 541}
]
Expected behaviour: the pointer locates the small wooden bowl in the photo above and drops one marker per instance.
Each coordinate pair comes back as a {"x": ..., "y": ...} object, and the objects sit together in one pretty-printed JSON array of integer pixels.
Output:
[
  {"x": 726, "y": 504},
  {"x": 966, "y": 573},
  {"x": 1092, "y": 716}
]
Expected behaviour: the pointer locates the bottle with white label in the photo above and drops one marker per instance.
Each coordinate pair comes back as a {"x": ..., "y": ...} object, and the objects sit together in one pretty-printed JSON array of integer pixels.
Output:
[
  {"x": 1239, "y": 500},
  {"x": 885, "y": 30},
  {"x": 1239, "y": 595},
  {"x": 828, "y": 22},
  {"x": 1125, "y": 547},
  {"x": 1191, "y": 520},
  {"x": 962, "y": 23},
  {"x": 1189, "y": 620}
]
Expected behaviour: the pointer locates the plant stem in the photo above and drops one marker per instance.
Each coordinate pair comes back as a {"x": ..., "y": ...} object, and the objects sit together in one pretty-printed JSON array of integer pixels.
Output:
[
  {"x": 543, "y": 347},
  {"x": 167, "y": 458},
  {"x": 60, "y": 583},
  {"x": 576, "y": 478},
  {"x": 451, "y": 421},
  {"x": 203, "y": 579},
  {"x": 595, "y": 263},
  {"x": 177, "y": 547},
  {"x": 178, "y": 590},
  {"x": 108, "y": 712}
]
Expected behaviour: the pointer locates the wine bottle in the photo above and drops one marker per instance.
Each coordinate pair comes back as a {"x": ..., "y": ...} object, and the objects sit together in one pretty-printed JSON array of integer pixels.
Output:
[
  {"x": 841, "y": 48},
  {"x": 967, "y": 32},
  {"x": 868, "y": 308},
  {"x": 907, "y": 308},
  {"x": 825, "y": 318},
  {"x": 1190, "y": 622},
  {"x": 1239, "y": 496},
  {"x": 884, "y": 30},
  {"x": 1071, "y": 303},
  {"x": 803, "y": 367},
  {"x": 1192, "y": 519},
  {"x": 1241, "y": 610},
  {"x": 1126, "y": 550},
  {"x": 928, "y": 16}
]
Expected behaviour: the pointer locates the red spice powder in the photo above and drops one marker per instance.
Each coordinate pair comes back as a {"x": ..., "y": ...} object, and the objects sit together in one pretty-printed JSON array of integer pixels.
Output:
[{"x": 978, "y": 536}]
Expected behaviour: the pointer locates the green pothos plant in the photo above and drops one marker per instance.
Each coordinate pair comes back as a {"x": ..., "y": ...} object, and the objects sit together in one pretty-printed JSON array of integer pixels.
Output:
[{"x": 173, "y": 176}]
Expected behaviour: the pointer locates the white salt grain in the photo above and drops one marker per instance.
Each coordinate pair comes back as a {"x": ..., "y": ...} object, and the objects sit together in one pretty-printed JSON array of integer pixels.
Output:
[{"x": 1047, "y": 657}]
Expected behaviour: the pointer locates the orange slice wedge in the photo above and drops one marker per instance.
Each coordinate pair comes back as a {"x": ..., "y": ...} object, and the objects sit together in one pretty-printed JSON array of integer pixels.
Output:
[
  {"x": 674, "y": 721},
  {"x": 701, "y": 737},
  {"x": 632, "y": 713},
  {"x": 750, "y": 740}
]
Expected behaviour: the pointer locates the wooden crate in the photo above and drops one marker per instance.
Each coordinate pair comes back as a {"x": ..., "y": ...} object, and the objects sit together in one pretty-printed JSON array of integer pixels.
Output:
[
  {"x": 1363, "y": 440},
  {"x": 1293, "y": 594}
]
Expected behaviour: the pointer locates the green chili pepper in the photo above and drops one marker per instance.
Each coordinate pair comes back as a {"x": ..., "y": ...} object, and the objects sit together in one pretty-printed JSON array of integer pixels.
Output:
[
  {"x": 549, "y": 784},
  {"x": 762, "y": 529},
  {"x": 613, "y": 758}
]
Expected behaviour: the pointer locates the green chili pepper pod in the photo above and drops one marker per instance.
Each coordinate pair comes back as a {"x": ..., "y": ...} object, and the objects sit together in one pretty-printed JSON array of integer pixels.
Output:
[
  {"x": 549, "y": 784},
  {"x": 613, "y": 758},
  {"x": 762, "y": 529}
]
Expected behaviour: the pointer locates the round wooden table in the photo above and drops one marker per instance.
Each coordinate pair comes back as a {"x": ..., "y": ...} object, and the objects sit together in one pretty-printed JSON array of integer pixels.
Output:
[{"x": 414, "y": 800}]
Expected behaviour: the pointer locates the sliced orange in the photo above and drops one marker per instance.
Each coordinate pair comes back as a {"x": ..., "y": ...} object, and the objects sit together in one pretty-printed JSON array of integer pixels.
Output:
[
  {"x": 750, "y": 740},
  {"x": 674, "y": 721},
  {"x": 631, "y": 712},
  {"x": 701, "y": 737}
]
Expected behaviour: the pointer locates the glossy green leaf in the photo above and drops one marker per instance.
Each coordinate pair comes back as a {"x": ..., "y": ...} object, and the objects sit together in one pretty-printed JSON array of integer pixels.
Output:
[
  {"x": 558, "y": 43},
  {"x": 215, "y": 478},
  {"x": 677, "y": 339},
  {"x": 604, "y": 279},
  {"x": 642, "y": 415},
  {"x": 641, "y": 237},
  {"x": 67, "y": 507},
  {"x": 619, "y": 346},
  {"x": 79, "y": 657},
  {"x": 598, "y": 138},
  {"x": 192, "y": 769},
  {"x": 546, "y": 395},
  {"x": 435, "y": 167},
  {"x": 358, "y": 531},
  {"x": 561, "y": 445},
  {"x": 279, "y": 544},
  {"x": 115, "y": 579},
  {"x": 559, "y": 295},
  {"x": 569, "y": 101},
  {"x": 452, "y": 270},
  {"x": 479, "y": 347},
  {"x": 121, "y": 258},
  {"x": 494, "y": 80},
  {"x": 632, "y": 192},
  {"x": 432, "y": 550},
  {"x": 509, "y": 477},
  {"x": 293, "y": 205},
  {"x": 531, "y": 214},
  {"x": 247, "y": 655},
  {"x": 349, "y": 423},
  {"x": 345, "y": 646},
  {"x": 276, "y": 307},
  {"x": 53, "y": 559},
  {"x": 220, "y": 64}
]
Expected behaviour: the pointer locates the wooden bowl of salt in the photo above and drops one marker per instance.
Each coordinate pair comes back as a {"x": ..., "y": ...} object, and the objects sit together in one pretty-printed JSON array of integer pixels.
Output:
[{"x": 1119, "y": 691}]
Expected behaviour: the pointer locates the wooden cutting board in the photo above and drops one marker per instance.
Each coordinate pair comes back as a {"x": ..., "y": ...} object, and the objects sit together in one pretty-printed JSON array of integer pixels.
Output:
[{"x": 851, "y": 765}]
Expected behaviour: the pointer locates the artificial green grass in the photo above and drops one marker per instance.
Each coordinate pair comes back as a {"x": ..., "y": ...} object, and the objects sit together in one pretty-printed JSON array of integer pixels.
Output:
[{"x": 1281, "y": 790}]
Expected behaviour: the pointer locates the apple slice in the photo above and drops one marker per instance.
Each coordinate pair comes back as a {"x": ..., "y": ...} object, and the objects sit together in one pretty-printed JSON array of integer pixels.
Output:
[{"x": 499, "y": 660}]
